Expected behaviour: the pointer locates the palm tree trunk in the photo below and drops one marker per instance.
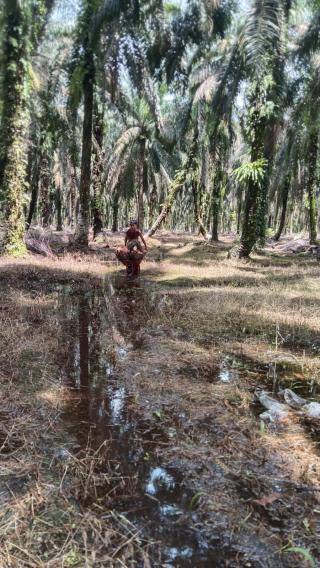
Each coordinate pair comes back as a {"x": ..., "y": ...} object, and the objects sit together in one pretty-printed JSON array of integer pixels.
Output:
[
  {"x": 263, "y": 207},
  {"x": 252, "y": 208},
  {"x": 73, "y": 166},
  {"x": 34, "y": 182},
  {"x": 311, "y": 185},
  {"x": 115, "y": 212},
  {"x": 45, "y": 191},
  {"x": 284, "y": 199},
  {"x": 14, "y": 125},
  {"x": 143, "y": 184},
  {"x": 59, "y": 208},
  {"x": 197, "y": 218},
  {"x": 17, "y": 45},
  {"x": 98, "y": 157},
  {"x": 152, "y": 204},
  {"x": 72, "y": 196},
  {"x": 175, "y": 187},
  {"x": 216, "y": 205},
  {"x": 249, "y": 225},
  {"x": 166, "y": 208},
  {"x": 239, "y": 211},
  {"x": 82, "y": 236}
]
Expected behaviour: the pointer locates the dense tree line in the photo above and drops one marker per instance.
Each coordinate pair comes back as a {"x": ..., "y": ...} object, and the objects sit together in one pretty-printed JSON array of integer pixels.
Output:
[{"x": 201, "y": 115}]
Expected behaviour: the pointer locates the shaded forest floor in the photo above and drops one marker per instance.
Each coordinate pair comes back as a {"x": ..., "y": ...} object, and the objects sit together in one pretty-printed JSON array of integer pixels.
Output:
[{"x": 129, "y": 430}]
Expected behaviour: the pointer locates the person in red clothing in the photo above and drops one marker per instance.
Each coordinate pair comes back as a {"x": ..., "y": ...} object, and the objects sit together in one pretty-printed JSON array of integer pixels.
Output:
[
  {"x": 132, "y": 237},
  {"x": 132, "y": 253}
]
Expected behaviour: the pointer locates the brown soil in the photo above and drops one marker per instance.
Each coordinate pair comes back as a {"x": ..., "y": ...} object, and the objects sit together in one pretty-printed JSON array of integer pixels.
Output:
[{"x": 129, "y": 431}]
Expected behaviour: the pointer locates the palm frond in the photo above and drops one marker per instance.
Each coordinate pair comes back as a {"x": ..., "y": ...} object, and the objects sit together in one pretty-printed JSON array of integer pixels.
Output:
[
  {"x": 206, "y": 89},
  {"x": 118, "y": 161},
  {"x": 108, "y": 12},
  {"x": 164, "y": 159},
  {"x": 140, "y": 75},
  {"x": 262, "y": 35},
  {"x": 126, "y": 139},
  {"x": 310, "y": 42}
]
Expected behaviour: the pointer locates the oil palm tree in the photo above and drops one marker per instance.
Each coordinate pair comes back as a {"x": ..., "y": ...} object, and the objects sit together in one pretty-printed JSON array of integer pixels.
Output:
[
  {"x": 99, "y": 28},
  {"x": 191, "y": 34},
  {"x": 308, "y": 53},
  {"x": 263, "y": 56},
  {"x": 139, "y": 157},
  {"x": 23, "y": 27}
]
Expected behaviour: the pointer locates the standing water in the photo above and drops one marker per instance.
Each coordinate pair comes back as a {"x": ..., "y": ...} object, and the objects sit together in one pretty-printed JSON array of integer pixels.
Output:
[
  {"x": 144, "y": 455},
  {"x": 101, "y": 328}
]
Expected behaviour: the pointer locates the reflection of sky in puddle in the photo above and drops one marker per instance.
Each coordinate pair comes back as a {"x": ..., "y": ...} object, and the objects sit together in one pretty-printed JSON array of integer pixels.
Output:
[
  {"x": 226, "y": 375},
  {"x": 173, "y": 552},
  {"x": 117, "y": 399},
  {"x": 99, "y": 349},
  {"x": 170, "y": 510},
  {"x": 158, "y": 478},
  {"x": 109, "y": 369},
  {"x": 121, "y": 352},
  {"x": 101, "y": 410}
]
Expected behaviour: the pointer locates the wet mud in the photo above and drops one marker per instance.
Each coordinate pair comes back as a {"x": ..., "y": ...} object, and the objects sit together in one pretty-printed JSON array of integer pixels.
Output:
[
  {"x": 102, "y": 327},
  {"x": 154, "y": 464}
]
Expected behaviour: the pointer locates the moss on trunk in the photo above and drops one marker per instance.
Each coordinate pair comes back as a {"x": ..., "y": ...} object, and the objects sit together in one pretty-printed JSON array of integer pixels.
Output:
[
  {"x": 311, "y": 185},
  {"x": 14, "y": 125},
  {"x": 255, "y": 186},
  {"x": 82, "y": 233},
  {"x": 284, "y": 203},
  {"x": 23, "y": 25},
  {"x": 216, "y": 200},
  {"x": 98, "y": 129}
]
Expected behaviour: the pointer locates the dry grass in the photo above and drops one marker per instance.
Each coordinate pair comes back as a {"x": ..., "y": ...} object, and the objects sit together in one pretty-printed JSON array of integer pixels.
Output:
[
  {"x": 202, "y": 309},
  {"x": 42, "y": 520},
  {"x": 268, "y": 304}
]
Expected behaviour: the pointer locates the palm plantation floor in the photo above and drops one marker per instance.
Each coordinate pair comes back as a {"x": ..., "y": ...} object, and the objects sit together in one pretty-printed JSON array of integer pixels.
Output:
[{"x": 130, "y": 434}]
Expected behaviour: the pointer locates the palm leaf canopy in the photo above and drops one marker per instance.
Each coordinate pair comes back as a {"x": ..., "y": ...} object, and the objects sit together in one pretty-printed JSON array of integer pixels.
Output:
[{"x": 261, "y": 37}]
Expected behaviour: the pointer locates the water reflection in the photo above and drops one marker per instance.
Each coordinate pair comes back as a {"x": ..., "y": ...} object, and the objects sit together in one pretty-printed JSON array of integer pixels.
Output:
[
  {"x": 84, "y": 341},
  {"x": 279, "y": 378},
  {"x": 159, "y": 479},
  {"x": 98, "y": 331}
]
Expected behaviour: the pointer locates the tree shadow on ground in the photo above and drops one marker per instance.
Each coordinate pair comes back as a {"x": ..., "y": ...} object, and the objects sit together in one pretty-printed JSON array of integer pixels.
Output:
[
  {"x": 242, "y": 467},
  {"x": 240, "y": 316},
  {"x": 228, "y": 281},
  {"x": 237, "y": 280},
  {"x": 266, "y": 259}
]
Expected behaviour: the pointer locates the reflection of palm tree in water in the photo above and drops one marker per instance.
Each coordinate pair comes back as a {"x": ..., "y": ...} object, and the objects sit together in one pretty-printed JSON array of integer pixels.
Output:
[
  {"x": 84, "y": 341},
  {"x": 106, "y": 409},
  {"x": 103, "y": 409},
  {"x": 103, "y": 414},
  {"x": 128, "y": 305}
]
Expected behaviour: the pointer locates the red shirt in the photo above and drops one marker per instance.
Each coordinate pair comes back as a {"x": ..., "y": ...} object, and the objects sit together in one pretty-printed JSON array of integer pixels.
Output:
[{"x": 133, "y": 234}]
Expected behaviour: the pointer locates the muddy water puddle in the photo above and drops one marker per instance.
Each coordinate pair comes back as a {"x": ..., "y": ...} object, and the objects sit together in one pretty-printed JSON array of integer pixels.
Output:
[{"x": 100, "y": 330}]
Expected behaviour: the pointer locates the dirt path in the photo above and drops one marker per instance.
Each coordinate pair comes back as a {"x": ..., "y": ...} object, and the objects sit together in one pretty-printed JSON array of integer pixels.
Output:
[{"x": 129, "y": 440}]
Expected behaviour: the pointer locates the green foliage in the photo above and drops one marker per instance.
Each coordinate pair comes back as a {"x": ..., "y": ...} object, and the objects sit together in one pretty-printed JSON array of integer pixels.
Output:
[
  {"x": 171, "y": 9},
  {"x": 248, "y": 171},
  {"x": 75, "y": 85},
  {"x": 303, "y": 552},
  {"x": 181, "y": 84}
]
